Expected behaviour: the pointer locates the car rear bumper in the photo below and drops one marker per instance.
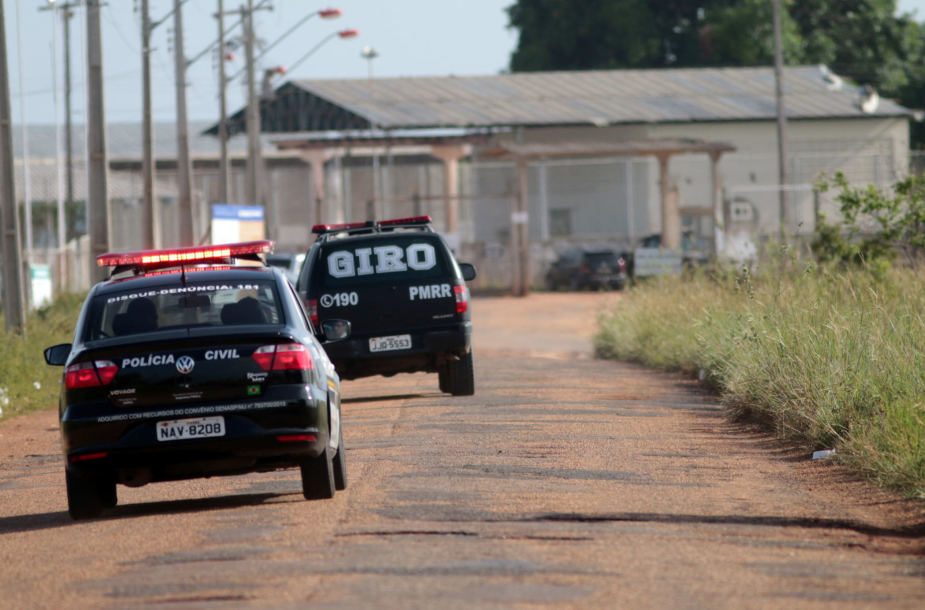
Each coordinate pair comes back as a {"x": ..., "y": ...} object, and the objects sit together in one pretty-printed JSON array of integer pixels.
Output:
[
  {"x": 352, "y": 357},
  {"x": 272, "y": 434}
]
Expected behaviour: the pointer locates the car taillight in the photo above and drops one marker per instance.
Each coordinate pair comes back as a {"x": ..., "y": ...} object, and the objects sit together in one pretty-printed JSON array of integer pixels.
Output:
[
  {"x": 585, "y": 268},
  {"x": 462, "y": 298},
  {"x": 313, "y": 311},
  {"x": 621, "y": 263},
  {"x": 90, "y": 374},
  {"x": 284, "y": 357}
]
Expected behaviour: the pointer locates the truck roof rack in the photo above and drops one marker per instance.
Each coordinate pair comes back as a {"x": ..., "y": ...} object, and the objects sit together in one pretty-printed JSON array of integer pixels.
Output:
[{"x": 422, "y": 223}]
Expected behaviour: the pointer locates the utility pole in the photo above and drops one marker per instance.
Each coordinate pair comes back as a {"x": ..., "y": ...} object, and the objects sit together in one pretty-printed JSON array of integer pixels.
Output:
[
  {"x": 13, "y": 293},
  {"x": 64, "y": 9},
  {"x": 97, "y": 162},
  {"x": 224, "y": 172},
  {"x": 184, "y": 167},
  {"x": 151, "y": 218},
  {"x": 781, "y": 120},
  {"x": 253, "y": 191}
]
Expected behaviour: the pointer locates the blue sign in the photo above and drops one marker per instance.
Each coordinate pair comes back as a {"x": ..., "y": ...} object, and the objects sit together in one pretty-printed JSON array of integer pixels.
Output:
[{"x": 227, "y": 211}]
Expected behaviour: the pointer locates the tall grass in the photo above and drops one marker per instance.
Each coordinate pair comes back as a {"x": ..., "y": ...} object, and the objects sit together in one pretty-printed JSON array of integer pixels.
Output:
[
  {"x": 26, "y": 382},
  {"x": 833, "y": 358}
]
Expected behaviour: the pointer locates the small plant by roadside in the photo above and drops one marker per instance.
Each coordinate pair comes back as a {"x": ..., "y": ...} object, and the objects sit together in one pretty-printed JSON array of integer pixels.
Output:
[
  {"x": 876, "y": 226},
  {"x": 26, "y": 382}
]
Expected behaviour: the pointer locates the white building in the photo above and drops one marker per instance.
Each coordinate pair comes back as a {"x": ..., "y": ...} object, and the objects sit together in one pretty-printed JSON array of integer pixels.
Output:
[{"x": 355, "y": 125}]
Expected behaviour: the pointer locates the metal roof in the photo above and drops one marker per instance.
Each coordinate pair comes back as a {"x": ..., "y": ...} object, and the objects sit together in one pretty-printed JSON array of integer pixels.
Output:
[{"x": 601, "y": 97}]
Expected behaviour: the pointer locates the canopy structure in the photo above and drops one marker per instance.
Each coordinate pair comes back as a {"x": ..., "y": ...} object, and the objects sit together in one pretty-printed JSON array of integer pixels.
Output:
[{"x": 661, "y": 149}]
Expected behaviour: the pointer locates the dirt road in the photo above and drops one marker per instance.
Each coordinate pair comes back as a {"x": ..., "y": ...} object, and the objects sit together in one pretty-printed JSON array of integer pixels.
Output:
[{"x": 565, "y": 481}]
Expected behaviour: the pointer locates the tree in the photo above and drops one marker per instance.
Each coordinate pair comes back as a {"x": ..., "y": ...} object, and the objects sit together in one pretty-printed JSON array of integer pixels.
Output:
[{"x": 591, "y": 34}]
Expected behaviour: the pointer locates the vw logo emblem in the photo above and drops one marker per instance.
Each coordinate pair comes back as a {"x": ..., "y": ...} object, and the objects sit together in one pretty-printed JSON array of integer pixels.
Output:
[{"x": 185, "y": 365}]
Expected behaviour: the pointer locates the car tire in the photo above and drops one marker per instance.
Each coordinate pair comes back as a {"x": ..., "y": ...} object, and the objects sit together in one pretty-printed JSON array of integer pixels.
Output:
[
  {"x": 88, "y": 495},
  {"x": 443, "y": 377},
  {"x": 108, "y": 494},
  {"x": 318, "y": 477},
  {"x": 461, "y": 376},
  {"x": 340, "y": 465}
]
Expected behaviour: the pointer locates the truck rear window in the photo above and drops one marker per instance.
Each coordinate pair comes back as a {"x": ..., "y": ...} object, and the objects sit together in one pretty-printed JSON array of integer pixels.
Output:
[
  {"x": 372, "y": 261},
  {"x": 194, "y": 304}
]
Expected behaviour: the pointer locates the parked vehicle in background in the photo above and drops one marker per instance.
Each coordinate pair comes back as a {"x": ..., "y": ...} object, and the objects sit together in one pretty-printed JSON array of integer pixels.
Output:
[
  {"x": 587, "y": 269},
  {"x": 290, "y": 263},
  {"x": 404, "y": 293}
]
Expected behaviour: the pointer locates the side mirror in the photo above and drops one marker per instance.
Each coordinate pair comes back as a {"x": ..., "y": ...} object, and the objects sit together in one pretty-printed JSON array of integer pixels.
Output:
[
  {"x": 468, "y": 271},
  {"x": 56, "y": 355},
  {"x": 335, "y": 330}
]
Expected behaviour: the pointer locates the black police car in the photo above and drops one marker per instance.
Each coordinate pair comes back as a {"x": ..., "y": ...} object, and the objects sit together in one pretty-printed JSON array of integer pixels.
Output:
[
  {"x": 404, "y": 294},
  {"x": 186, "y": 365}
]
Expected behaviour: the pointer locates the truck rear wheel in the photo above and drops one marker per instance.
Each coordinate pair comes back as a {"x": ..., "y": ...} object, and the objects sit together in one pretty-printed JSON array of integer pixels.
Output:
[{"x": 461, "y": 376}]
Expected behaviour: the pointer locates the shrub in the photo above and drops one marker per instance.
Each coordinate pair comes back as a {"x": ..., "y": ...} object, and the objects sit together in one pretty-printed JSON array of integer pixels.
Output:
[{"x": 26, "y": 382}]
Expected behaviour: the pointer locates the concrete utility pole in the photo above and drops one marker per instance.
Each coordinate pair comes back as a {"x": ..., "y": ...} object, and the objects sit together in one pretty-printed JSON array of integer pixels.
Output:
[
  {"x": 782, "y": 157},
  {"x": 254, "y": 157},
  {"x": 97, "y": 162},
  {"x": 64, "y": 9},
  {"x": 13, "y": 292},
  {"x": 184, "y": 166},
  {"x": 224, "y": 172},
  {"x": 151, "y": 218}
]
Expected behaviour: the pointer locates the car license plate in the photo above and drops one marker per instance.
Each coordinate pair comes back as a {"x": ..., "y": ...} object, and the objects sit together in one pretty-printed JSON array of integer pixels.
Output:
[
  {"x": 387, "y": 344},
  {"x": 182, "y": 429}
]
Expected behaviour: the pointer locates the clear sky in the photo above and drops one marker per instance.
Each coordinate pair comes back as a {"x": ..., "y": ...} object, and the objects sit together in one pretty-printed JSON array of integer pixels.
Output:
[{"x": 412, "y": 37}]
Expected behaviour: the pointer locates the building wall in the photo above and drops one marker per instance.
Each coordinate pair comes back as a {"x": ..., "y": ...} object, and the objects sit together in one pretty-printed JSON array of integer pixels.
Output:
[{"x": 598, "y": 200}]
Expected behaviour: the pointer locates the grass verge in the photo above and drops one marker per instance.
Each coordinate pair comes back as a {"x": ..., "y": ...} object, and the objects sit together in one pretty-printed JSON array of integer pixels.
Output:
[
  {"x": 26, "y": 382},
  {"x": 833, "y": 358}
]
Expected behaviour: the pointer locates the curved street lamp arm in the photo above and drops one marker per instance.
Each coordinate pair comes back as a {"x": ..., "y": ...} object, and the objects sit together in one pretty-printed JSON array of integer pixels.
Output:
[
  {"x": 189, "y": 62},
  {"x": 312, "y": 51}
]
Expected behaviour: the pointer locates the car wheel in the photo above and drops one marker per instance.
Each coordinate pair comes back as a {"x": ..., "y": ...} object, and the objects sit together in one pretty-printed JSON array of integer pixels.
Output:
[
  {"x": 318, "y": 477},
  {"x": 108, "y": 494},
  {"x": 461, "y": 376},
  {"x": 340, "y": 465},
  {"x": 88, "y": 495},
  {"x": 443, "y": 376}
]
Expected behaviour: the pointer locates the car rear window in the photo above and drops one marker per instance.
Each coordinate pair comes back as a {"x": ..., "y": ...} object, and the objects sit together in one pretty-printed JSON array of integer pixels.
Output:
[
  {"x": 173, "y": 306},
  {"x": 371, "y": 261},
  {"x": 597, "y": 258}
]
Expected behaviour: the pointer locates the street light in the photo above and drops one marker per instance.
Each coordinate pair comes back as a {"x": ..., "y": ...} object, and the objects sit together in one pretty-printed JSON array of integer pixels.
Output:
[{"x": 369, "y": 54}]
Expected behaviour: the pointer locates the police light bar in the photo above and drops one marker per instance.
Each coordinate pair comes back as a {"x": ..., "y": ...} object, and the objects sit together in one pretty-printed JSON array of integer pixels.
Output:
[
  {"x": 194, "y": 254},
  {"x": 411, "y": 220},
  {"x": 344, "y": 226}
]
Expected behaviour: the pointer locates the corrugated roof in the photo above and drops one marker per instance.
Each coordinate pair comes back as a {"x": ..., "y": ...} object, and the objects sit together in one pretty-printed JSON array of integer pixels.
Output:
[
  {"x": 123, "y": 141},
  {"x": 595, "y": 97}
]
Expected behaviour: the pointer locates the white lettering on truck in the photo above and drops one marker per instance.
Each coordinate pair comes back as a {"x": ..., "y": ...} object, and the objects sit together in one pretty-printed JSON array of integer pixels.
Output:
[
  {"x": 389, "y": 259},
  {"x": 433, "y": 291}
]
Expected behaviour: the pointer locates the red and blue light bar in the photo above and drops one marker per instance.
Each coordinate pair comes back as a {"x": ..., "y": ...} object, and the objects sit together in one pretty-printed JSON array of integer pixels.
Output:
[
  {"x": 193, "y": 254},
  {"x": 371, "y": 224}
]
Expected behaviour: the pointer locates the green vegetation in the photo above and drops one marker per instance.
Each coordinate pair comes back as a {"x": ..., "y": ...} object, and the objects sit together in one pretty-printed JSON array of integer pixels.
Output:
[
  {"x": 835, "y": 358},
  {"x": 26, "y": 382},
  {"x": 832, "y": 353}
]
